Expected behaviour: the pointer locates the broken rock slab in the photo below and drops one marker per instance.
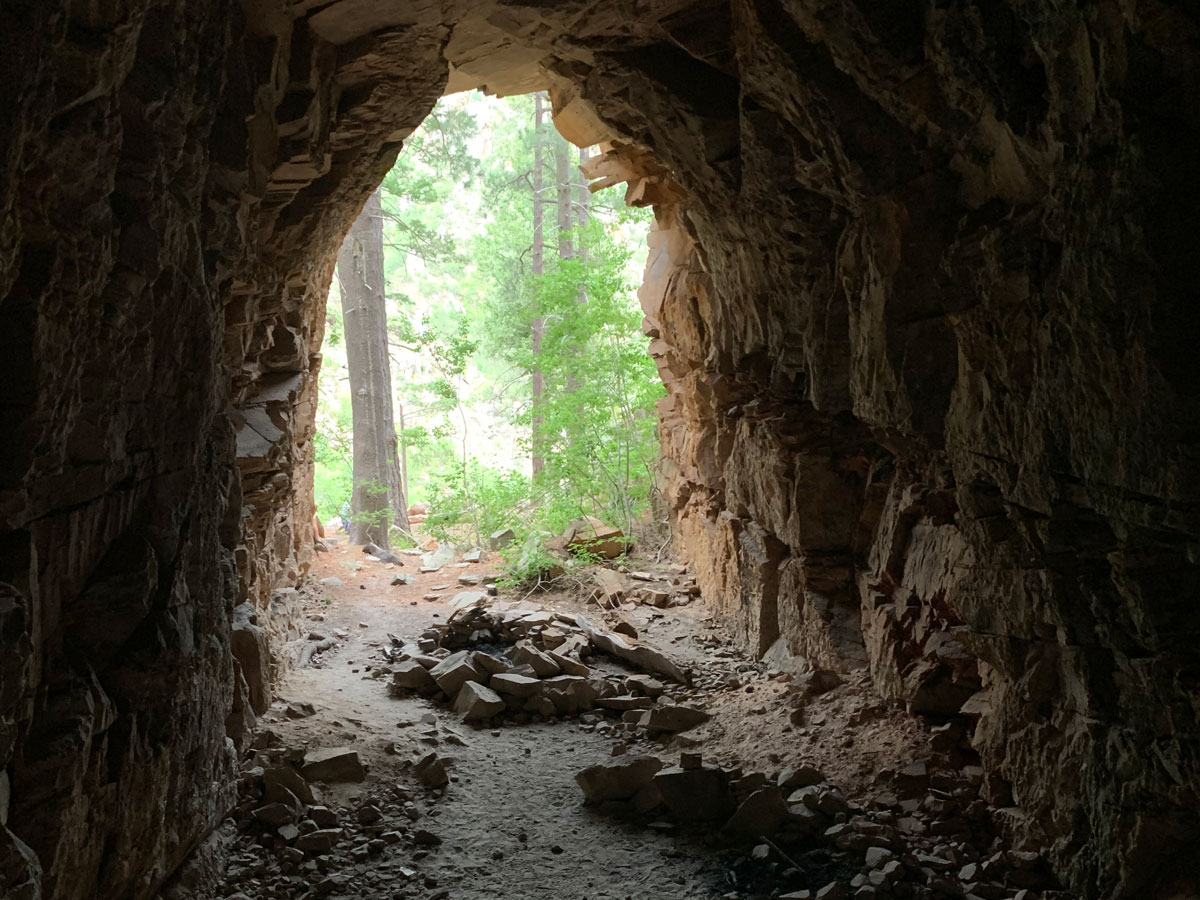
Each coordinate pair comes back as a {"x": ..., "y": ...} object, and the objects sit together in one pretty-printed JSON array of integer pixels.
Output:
[
  {"x": 476, "y": 702},
  {"x": 410, "y": 675},
  {"x": 673, "y": 719},
  {"x": 468, "y": 599},
  {"x": 762, "y": 813},
  {"x": 569, "y": 666},
  {"x": 617, "y": 778},
  {"x": 612, "y": 587},
  {"x": 456, "y": 670},
  {"x": 249, "y": 646},
  {"x": 492, "y": 665},
  {"x": 501, "y": 538},
  {"x": 515, "y": 685},
  {"x": 318, "y": 842},
  {"x": 695, "y": 795},
  {"x": 431, "y": 771},
  {"x": 641, "y": 655},
  {"x": 591, "y": 535},
  {"x": 524, "y": 654},
  {"x": 333, "y": 764},
  {"x": 282, "y": 784}
]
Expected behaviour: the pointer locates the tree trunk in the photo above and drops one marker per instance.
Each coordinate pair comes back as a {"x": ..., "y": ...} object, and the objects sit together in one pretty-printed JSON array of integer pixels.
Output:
[
  {"x": 583, "y": 206},
  {"x": 403, "y": 461},
  {"x": 377, "y": 498},
  {"x": 562, "y": 171},
  {"x": 538, "y": 326}
]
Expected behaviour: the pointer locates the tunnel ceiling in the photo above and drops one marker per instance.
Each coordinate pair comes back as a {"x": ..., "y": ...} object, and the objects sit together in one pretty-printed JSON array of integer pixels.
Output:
[{"x": 921, "y": 289}]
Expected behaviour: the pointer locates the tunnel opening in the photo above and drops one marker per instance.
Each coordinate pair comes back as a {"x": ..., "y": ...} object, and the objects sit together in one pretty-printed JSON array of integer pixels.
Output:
[
  {"x": 499, "y": 296},
  {"x": 906, "y": 293}
]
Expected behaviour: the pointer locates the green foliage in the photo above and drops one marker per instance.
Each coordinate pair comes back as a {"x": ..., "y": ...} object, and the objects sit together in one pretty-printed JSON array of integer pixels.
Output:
[
  {"x": 332, "y": 443},
  {"x": 462, "y": 297},
  {"x": 597, "y": 432},
  {"x": 470, "y": 501}
]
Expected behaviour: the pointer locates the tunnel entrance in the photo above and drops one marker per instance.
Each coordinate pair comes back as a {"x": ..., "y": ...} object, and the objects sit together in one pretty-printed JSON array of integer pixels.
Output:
[
  {"x": 484, "y": 355},
  {"x": 505, "y": 683}
]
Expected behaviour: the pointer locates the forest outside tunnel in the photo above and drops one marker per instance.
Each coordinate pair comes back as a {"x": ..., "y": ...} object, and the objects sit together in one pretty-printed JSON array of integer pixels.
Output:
[{"x": 906, "y": 293}]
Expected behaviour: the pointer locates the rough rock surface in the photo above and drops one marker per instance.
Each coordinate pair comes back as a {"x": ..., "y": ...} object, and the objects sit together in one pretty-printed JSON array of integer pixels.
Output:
[{"x": 921, "y": 290}]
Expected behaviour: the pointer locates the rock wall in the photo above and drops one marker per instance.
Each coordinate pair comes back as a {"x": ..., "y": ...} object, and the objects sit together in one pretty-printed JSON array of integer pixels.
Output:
[
  {"x": 176, "y": 178},
  {"x": 919, "y": 291},
  {"x": 921, "y": 321}
]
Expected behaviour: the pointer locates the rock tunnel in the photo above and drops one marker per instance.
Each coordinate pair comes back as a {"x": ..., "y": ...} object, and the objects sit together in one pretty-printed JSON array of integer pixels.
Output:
[{"x": 921, "y": 289}]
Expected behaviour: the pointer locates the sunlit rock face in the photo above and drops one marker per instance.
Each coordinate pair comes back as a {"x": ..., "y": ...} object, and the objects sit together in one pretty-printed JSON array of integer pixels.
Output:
[{"x": 921, "y": 290}]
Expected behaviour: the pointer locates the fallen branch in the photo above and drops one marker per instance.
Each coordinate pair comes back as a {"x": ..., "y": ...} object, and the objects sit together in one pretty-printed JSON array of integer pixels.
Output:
[{"x": 774, "y": 846}]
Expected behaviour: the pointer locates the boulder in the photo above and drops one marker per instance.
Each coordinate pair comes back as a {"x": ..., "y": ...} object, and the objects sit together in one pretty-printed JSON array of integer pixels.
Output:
[
  {"x": 762, "y": 813},
  {"x": 695, "y": 795},
  {"x": 333, "y": 764},
  {"x": 431, "y": 771},
  {"x": 476, "y": 702},
  {"x": 249, "y": 646},
  {"x": 523, "y": 654},
  {"x": 410, "y": 675},
  {"x": 617, "y": 778},
  {"x": 590, "y": 535},
  {"x": 437, "y": 557},
  {"x": 515, "y": 685},
  {"x": 456, "y": 670},
  {"x": 501, "y": 538},
  {"x": 283, "y": 782},
  {"x": 673, "y": 719}
]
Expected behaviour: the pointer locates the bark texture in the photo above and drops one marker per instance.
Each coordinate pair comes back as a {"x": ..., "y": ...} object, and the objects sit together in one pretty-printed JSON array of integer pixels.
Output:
[
  {"x": 378, "y": 499},
  {"x": 923, "y": 291}
]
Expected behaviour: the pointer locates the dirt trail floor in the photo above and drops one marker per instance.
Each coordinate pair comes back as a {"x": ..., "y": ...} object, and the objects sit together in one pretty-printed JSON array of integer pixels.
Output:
[{"x": 511, "y": 823}]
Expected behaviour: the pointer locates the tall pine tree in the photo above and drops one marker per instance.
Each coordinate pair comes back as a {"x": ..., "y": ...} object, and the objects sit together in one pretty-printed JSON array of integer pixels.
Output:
[{"x": 378, "y": 499}]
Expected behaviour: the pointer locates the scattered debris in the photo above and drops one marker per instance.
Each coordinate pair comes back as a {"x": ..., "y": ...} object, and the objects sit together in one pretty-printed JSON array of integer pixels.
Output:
[{"x": 384, "y": 556}]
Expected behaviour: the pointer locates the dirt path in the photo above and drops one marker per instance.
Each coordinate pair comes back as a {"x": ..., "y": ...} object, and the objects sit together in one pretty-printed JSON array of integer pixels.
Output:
[
  {"x": 512, "y": 820},
  {"x": 508, "y": 821}
]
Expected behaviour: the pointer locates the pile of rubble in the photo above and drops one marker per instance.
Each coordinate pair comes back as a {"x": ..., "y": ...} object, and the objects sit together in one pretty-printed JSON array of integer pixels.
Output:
[
  {"x": 937, "y": 839},
  {"x": 675, "y": 587},
  {"x": 533, "y": 665},
  {"x": 286, "y": 843}
]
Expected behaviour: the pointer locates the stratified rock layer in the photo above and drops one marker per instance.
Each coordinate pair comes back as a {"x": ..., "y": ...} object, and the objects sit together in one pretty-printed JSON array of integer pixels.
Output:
[{"x": 921, "y": 289}]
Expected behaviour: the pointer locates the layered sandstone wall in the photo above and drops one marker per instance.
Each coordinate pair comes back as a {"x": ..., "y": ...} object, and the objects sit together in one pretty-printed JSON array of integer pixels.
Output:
[
  {"x": 176, "y": 179},
  {"x": 920, "y": 292},
  {"x": 923, "y": 325}
]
